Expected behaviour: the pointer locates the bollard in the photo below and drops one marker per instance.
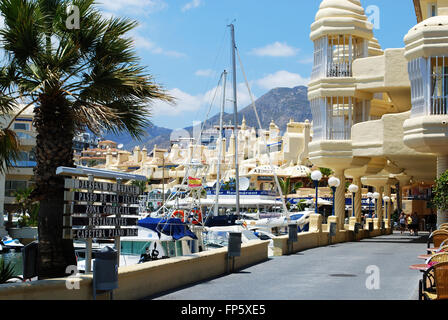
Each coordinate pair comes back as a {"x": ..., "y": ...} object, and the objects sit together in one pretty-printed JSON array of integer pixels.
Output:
[
  {"x": 292, "y": 237},
  {"x": 332, "y": 233},
  {"x": 234, "y": 249}
]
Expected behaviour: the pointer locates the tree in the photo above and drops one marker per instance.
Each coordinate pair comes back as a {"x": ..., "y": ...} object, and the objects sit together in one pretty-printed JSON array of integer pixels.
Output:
[
  {"x": 9, "y": 148},
  {"x": 326, "y": 172},
  {"x": 140, "y": 184},
  {"x": 440, "y": 192},
  {"x": 297, "y": 186},
  {"x": 28, "y": 207},
  {"x": 77, "y": 78},
  {"x": 285, "y": 186}
]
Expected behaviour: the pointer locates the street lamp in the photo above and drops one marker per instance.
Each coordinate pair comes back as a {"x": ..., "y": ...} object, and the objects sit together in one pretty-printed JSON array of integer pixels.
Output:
[
  {"x": 334, "y": 182},
  {"x": 386, "y": 202},
  {"x": 370, "y": 196},
  {"x": 376, "y": 196},
  {"x": 316, "y": 176},
  {"x": 353, "y": 188}
]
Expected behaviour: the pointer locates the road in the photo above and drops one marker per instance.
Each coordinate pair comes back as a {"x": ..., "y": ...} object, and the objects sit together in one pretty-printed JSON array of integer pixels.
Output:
[{"x": 371, "y": 269}]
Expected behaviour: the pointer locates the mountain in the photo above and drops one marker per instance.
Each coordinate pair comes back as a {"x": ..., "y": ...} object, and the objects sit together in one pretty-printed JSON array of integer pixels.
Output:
[{"x": 280, "y": 105}]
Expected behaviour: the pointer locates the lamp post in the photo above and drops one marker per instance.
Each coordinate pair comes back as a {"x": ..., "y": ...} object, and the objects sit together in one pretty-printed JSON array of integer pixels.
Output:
[
  {"x": 334, "y": 182},
  {"x": 316, "y": 176},
  {"x": 353, "y": 188},
  {"x": 386, "y": 203},
  {"x": 370, "y": 196},
  {"x": 376, "y": 196}
]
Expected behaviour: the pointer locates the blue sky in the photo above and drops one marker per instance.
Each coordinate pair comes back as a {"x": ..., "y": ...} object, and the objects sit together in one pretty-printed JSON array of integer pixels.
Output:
[{"x": 186, "y": 45}]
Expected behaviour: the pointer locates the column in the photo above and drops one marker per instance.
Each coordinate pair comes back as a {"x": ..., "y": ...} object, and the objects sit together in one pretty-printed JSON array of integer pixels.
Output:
[
  {"x": 358, "y": 199},
  {"x": 388, "y": 193},
  {"x": 442, "y": 167},
  {"x": 340, "y": 199}
]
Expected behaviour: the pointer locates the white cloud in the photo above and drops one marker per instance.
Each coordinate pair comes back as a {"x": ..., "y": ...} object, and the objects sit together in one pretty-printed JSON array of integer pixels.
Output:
[
  {"x": 191, "y": 5},
  {"x": 282, "y": 79},
  {"x": 205, "y": 73},
  {"x": 143, "y": 43},
  {"x": 134, "y": 6},
  {"x": 187, "y": 103},
  {"x": 276, "y": 49}
]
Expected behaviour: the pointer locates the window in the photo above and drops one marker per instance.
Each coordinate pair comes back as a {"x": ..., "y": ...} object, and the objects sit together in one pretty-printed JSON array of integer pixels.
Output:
[
  {"x": 11, "y": 186},
  {"x": 432, "y": 9},
  {"x": 21, "y": 126},
  {"x": 23, "y": 135},
  {"x": 439, "y": 85}
]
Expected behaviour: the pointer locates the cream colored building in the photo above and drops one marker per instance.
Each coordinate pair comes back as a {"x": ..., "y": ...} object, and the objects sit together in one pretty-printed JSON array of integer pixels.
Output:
[
  {"x": 289, "y": 157},
  {"x": 379, "y": 114},
  {"x": 21, "y": 175}
]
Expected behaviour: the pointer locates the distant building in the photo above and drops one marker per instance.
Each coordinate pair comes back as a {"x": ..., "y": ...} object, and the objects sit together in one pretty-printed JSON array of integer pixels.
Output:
[
  {"x": 96, "y": 155},
  {"x": 21, "y": 175},
  {"x": 83, "y": 141}
]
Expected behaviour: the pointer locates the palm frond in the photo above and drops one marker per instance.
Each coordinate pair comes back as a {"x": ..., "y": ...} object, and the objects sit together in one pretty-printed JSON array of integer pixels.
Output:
[{"x": 9, "y": 149}]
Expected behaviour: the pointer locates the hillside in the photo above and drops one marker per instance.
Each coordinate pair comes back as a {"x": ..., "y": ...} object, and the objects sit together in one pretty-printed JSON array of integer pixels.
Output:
[{"x": 280, "y": 105}]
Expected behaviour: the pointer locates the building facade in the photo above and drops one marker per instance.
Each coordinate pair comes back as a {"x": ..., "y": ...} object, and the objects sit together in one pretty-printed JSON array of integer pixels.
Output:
[{"x": 379, "y": 114}]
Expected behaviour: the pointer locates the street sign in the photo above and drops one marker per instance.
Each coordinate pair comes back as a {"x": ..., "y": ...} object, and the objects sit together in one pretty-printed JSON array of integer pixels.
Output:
[
  {"x": 100, "y": 197},
  {"x": 100, "y": 210},
  {"x": 101, "y": 186},
  {"x": 106, "y": 210},
  {"x": 104, "y": 233}
]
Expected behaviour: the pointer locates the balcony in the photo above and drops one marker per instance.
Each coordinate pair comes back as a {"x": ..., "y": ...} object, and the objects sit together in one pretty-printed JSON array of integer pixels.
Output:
[
  {"x": 384, "y": 138},
  {"x": 385, "y": 73}
]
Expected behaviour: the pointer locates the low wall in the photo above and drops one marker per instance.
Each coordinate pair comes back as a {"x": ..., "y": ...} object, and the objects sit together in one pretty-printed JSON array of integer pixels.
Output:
[{"x": 142, "y": 280}]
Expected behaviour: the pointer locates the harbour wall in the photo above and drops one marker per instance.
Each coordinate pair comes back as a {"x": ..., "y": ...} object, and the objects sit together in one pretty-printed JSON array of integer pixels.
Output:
[{"x": 142, "y": 280}]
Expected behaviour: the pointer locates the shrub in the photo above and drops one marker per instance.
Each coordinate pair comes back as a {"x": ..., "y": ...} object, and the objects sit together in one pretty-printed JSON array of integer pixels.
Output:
[
  {"x": 6, "y": 271},
  {"x": 440, "y": 192}
]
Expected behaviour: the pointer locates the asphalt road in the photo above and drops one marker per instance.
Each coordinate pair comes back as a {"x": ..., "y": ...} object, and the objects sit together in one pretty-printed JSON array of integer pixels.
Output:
[{"x": 372, "y": 269}]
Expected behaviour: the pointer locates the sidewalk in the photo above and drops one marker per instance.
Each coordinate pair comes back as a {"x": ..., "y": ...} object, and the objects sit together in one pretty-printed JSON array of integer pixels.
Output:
[{"x": 338, "y": 272}]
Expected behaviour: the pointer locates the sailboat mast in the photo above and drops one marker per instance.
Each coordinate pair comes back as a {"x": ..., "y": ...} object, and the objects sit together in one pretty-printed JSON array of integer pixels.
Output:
[
  {"x": 221, "y": 136},
  {"x": 235, "y": 120}
]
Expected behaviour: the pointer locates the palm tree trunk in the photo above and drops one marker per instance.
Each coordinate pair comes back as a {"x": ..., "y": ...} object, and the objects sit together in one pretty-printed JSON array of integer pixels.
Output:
[{"x": 54, "y": 149}]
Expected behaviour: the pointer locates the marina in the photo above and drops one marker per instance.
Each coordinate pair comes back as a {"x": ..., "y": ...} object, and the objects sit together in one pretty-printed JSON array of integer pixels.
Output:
[{"x": 143, "y": 156}]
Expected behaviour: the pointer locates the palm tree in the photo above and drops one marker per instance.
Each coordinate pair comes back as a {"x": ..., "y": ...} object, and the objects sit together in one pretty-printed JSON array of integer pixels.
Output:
[
  {"x": 285, "y": 186},
  {"x": 9, "y": 149},
  {"x": 76, "y": 78},
  {"x": 140, "y": 184}
]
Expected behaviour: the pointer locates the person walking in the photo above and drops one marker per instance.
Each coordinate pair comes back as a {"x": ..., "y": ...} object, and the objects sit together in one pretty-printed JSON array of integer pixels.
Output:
[
  {"x": 414, "y": 225},
  {"x": 402, "y": 221},
  {"x": 409, "y": 224}
]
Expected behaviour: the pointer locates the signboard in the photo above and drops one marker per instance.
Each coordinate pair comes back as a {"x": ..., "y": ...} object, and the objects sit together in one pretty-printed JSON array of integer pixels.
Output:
[
  {"x": 100, "y": 210},
  {"x": 101, "y": 197},
  {"x": 103, "y": 233},
  {"x": 263, "y": 178},
  {"x": 106, "y": 210},
  {"x": 101, "y": 186}
]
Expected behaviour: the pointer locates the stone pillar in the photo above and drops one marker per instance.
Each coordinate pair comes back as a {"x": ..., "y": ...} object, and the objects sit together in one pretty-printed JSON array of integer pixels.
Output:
[
  {"x": 379, "y": 203},
  {"x": 315, "y": 222},
  {"x": 358, "y": 199},
  {"x": 388, "y": 193},
  {"x": 340, "y": 198},
  {"x": 442, "y": 167}
]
